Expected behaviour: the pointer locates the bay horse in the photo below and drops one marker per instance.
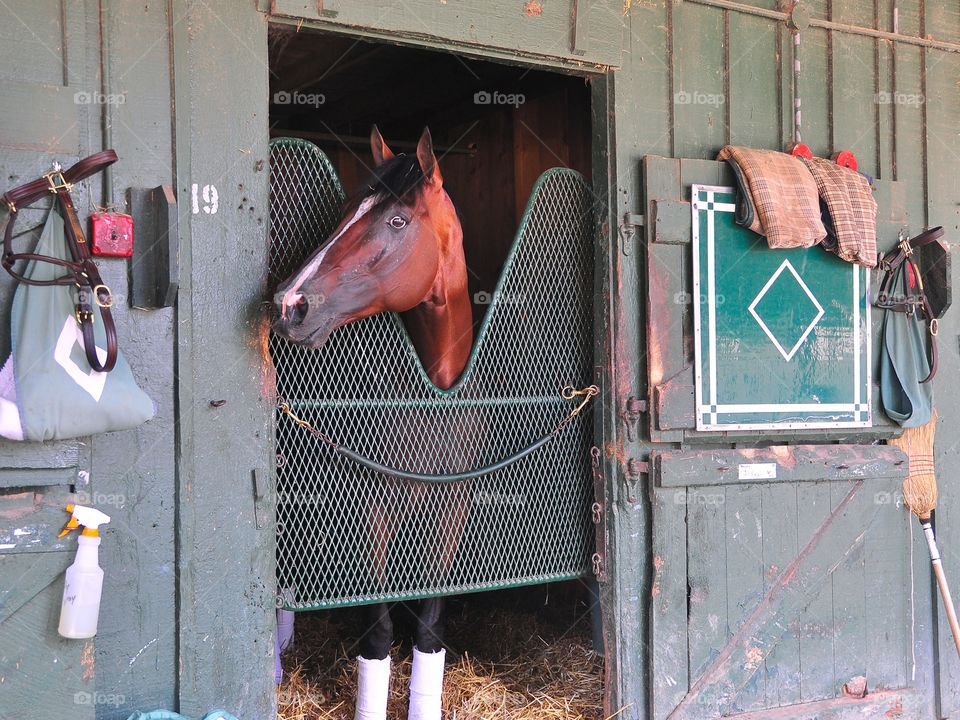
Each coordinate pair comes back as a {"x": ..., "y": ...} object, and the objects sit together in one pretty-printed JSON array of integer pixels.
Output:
[{"x": 397, "y": 248}]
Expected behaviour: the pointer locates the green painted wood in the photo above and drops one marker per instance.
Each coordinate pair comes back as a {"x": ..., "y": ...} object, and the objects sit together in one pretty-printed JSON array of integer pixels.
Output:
[
  {"x": 49, "y": 112},
  {"x": 778, "y": 465},
  {"x": 782, "y": 671},
  {"x": 699, "y": 87},
  {"x": 942, "y": 108},
  {"x": 755, "y": 117},
  {"x": 541, "y": 29},
  {"x": 708, "y": 621},
  {"x": 225, "y": 563},
  {"x": 779, "y": 333},
  {"x": 886, "y": 599},
  {"x": 815, "y": 89},
  {"x": 855, "y": 100},
  {"x": 43, "y": 674},
  {"x": 664, "y": 351},
  {"x": 669, "y": 678},
  {"x": 815, "y": 621},
  {"x": 851, "y": 634},
  {"x": 743, "y": 515},
  {"x": 134, "y": 471}
]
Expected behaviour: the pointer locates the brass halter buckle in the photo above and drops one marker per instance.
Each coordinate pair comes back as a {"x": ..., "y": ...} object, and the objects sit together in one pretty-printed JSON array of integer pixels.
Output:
[{"x": 56, "y": 182}]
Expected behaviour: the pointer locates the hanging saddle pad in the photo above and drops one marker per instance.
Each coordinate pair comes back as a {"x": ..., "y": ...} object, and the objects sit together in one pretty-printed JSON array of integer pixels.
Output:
[
  {"x": 47, "y": 388},
  {"x": 903, "y": 364}
]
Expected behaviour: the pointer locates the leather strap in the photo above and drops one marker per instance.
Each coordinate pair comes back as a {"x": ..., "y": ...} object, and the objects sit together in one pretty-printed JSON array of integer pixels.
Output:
[
  {"x": 911, "y": 304},
  {"x": 81, "y": 272}
]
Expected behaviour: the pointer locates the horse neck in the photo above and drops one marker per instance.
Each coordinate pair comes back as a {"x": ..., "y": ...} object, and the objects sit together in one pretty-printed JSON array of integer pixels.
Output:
[{"x": 441, "y": 326}]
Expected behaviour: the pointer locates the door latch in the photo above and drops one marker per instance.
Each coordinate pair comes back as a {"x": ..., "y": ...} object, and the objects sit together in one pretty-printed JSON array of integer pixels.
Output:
[
  {"x": 628, "y": 231},
  {"x": 597, "y": 511}
]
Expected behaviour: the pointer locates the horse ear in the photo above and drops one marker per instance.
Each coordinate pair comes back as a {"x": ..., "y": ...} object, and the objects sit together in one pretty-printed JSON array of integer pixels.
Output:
[
  {"x": 379, "y": 147},
  {"x": 428, "y": 161}
]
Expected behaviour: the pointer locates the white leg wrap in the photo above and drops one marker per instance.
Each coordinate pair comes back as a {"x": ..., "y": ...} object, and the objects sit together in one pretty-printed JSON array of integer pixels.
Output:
[
  {"x": 373, "y": 688},
  {"x": 426, "y": 685}
]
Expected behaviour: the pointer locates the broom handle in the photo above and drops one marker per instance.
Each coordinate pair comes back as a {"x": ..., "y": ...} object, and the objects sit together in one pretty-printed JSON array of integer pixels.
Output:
[{"x": 942, "y": 581}]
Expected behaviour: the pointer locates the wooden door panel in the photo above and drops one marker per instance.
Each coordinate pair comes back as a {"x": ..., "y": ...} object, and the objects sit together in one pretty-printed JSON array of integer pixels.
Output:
[{"x": 775, "y": 593}]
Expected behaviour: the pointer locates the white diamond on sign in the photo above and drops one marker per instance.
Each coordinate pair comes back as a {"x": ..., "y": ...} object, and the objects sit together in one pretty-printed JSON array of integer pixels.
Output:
[
  {"x": 91, "y": 381},
  {"x": 779, "y": 343}
]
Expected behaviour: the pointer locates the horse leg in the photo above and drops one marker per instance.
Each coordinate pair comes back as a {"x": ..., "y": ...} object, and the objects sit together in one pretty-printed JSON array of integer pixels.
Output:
[
  {"x": 426, "y": 680},
  {"x": 373, "y": 663}
]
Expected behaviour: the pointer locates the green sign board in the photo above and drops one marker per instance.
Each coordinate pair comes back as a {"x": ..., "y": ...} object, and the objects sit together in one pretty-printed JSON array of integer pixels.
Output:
[{"x": 782, "y": 336}]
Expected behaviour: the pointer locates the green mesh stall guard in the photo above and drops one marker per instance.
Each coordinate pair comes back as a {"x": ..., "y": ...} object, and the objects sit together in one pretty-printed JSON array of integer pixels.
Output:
[{"x": 347, "y": 535}]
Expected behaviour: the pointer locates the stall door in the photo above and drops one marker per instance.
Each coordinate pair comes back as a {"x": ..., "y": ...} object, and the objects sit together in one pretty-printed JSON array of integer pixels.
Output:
[
  {"x": 48, "y": 111},
  {"x": 786, "y": 577}
]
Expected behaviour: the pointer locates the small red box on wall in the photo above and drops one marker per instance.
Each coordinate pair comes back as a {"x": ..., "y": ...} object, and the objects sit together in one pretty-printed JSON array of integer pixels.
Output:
[{"x": 111, "y": 234}]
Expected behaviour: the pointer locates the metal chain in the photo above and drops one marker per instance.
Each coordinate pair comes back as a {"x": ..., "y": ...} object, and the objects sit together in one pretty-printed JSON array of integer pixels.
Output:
[{"x": 568, "y": 393}]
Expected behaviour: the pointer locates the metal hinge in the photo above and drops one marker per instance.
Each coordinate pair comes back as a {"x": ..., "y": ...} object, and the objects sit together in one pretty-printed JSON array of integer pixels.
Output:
[
  {"x": 597, "y": 511},
  {"x": 632, "y": 471},
  {"x": 634, "y": 407},
  {"x": 628, "y": 231}
]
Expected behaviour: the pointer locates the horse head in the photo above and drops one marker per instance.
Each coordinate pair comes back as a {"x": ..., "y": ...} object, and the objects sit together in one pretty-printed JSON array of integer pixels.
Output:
[{"x": 398, "y": 247}]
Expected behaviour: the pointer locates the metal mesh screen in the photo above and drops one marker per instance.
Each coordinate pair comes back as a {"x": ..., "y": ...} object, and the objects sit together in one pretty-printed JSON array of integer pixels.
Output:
[{"x": 347, "y": 535}]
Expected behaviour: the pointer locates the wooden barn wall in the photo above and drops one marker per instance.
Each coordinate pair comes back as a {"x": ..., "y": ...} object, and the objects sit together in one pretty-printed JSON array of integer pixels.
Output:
[
  {"x": 187, "y": 619},
  {"x": 695, "y": 77}
]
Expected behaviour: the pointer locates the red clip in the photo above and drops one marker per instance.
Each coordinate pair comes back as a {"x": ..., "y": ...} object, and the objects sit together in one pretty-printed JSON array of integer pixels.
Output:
[
  {"x": 846, "y": 158},
  {"x": 800, "y": 150},
  {"x": 112, "y": 234}
]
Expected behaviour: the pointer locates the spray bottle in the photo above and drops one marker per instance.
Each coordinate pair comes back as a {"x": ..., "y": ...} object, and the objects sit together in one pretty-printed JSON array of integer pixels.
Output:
[{"x": 84, "y": 579}]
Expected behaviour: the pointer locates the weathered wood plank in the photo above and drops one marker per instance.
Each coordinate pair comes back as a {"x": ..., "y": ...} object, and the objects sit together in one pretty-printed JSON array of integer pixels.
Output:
[
  {"x": 754, "y": 88},
  {"x": 886, "y": 584},
  {"x": 785, "y": 463},
  {"x": 743, "y": 513},
  {"x": 849, "y": 602},
  {"x": 699, "y": 89},
  {"x": 709, "y": 624},
  {"x": 781, "y": 667},
  {"x": 855, "y": 101},
  {"x": 831, "y": 546},
  {"x": 668, "y": 603},
  {"x": 815, "y": 626},
  {"x": 541, "y": 29},
  {"x": 220, "y": 87}
]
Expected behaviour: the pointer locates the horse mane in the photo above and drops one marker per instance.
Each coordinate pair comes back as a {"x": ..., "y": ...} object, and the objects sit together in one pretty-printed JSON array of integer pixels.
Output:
[{"x": 399, "y": 178}]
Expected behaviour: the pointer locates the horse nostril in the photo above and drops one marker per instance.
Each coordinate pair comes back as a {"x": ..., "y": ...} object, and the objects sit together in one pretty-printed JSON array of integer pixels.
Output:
[{"x": 299, "y": 311}]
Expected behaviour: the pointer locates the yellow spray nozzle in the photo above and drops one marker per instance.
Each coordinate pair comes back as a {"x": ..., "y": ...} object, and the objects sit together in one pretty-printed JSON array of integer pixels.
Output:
[
  {"x": 90, "y": 518},
  {"x": 72, "y": 523}
]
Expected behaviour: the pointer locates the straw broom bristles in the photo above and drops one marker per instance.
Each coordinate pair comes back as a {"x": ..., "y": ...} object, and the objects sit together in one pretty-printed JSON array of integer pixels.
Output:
[
  {"x": 920, "y": 486},
  {"x": 920, "y": 495}
]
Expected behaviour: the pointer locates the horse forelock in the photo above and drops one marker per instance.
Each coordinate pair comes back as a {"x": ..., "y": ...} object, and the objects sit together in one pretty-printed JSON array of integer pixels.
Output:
[{"x": 398, "y": 179}]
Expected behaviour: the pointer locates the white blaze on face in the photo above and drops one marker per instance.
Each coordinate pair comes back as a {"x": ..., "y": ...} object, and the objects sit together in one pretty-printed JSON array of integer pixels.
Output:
[{"x": 293, "y": 295}]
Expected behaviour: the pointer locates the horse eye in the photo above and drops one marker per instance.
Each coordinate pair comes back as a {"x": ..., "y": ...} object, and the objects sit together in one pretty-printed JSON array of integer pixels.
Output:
[{"x": 398, "y": 222}]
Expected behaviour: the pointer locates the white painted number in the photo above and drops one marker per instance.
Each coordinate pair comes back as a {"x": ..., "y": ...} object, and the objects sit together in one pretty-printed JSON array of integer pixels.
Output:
[{"x": 210, "y": 197}]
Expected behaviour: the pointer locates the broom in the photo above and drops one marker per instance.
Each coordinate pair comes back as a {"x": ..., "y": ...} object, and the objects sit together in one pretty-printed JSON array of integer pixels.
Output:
[{"x": 920, "y": 495}]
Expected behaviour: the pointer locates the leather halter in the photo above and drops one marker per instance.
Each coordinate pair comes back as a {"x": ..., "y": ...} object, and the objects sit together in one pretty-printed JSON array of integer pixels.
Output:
[
  {"x": 81, "y": 270},
  {"x": 909, "y": 303}
]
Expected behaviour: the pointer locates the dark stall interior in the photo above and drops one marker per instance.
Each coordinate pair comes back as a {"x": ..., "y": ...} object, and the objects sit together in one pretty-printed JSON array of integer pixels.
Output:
[{"x": 496, "y": 127}]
